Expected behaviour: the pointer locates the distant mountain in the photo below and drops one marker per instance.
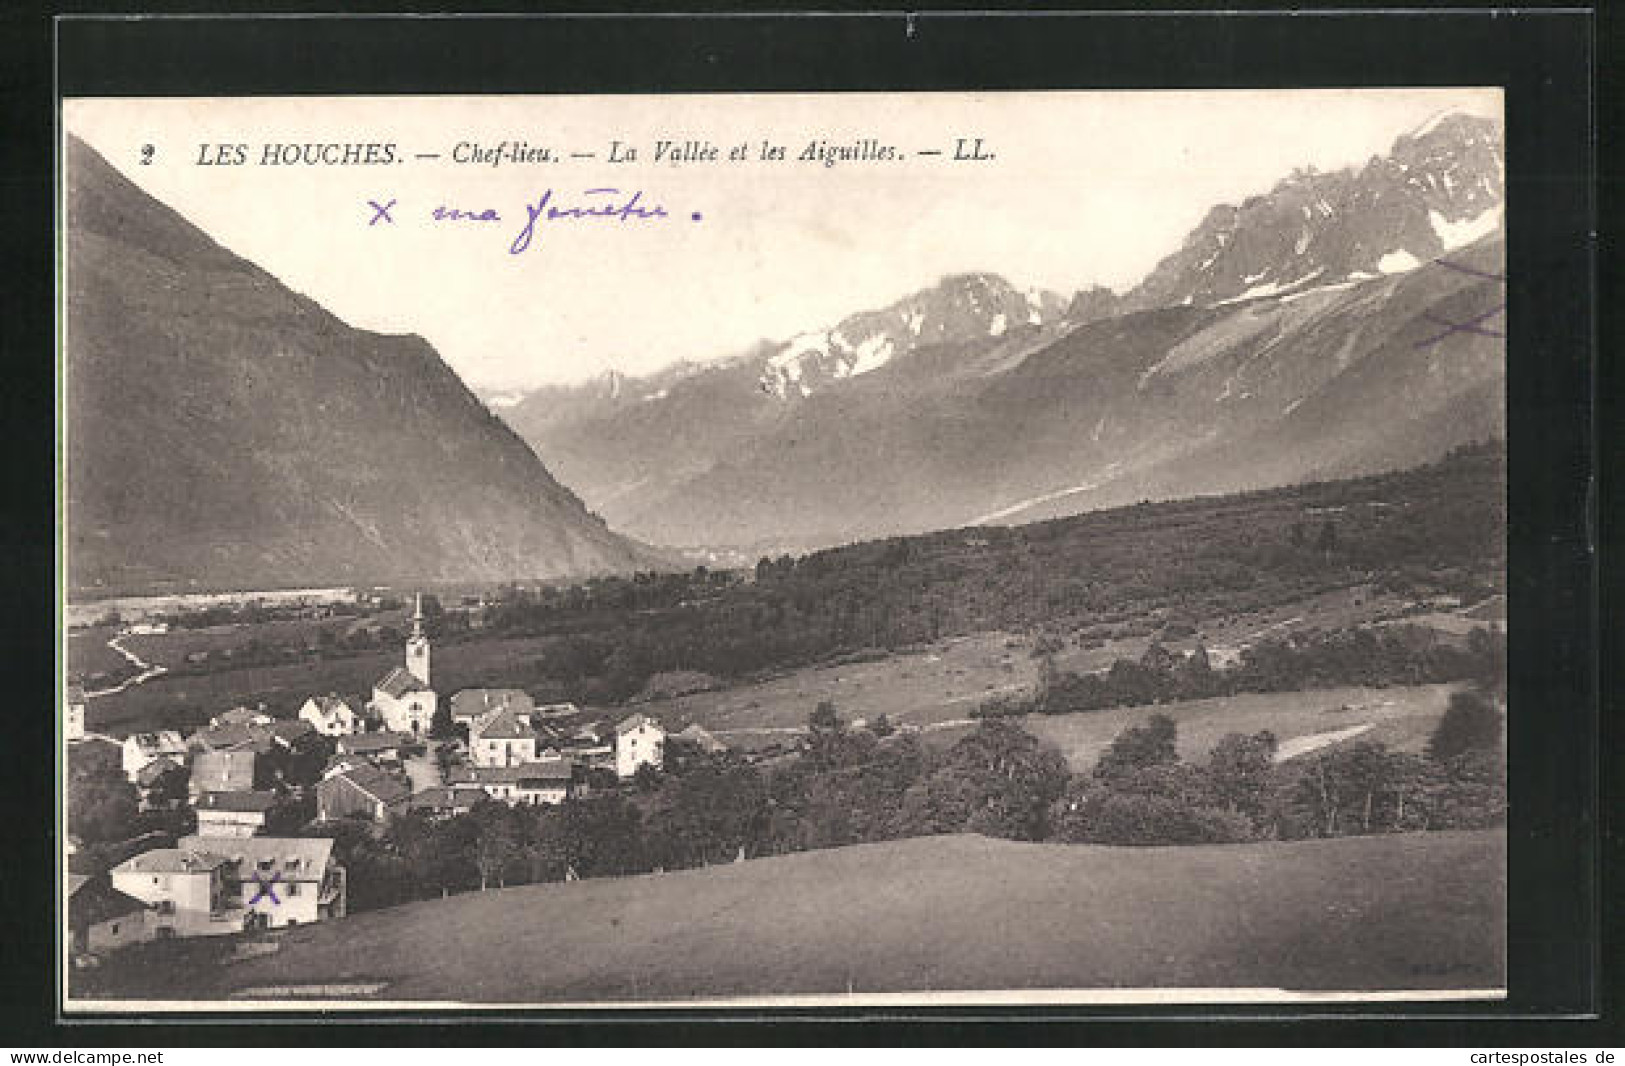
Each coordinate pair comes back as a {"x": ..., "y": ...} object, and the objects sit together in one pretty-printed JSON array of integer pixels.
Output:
[
  {"x": 970, "y": 311},
  {"x": 226, "y": 432},
  {"x": 1439, "y": 188},
  {"x": 1302, "y": 334}
]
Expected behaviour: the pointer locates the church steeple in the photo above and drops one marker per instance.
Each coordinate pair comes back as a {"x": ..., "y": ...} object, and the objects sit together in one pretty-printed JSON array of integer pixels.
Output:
[{"x": 417, "y": 646}]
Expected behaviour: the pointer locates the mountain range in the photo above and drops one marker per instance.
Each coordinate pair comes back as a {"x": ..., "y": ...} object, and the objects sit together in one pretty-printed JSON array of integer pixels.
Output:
[
  {"x": 1314, "y": 330},
  {"x": 224, "y": 432}
]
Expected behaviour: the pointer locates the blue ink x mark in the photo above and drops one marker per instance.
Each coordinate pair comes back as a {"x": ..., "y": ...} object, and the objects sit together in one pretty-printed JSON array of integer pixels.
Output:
[
  {"x": 266, "y": 888},
  {"x": 1469, "y": 326},
  {"x": 381, "y": 212}
]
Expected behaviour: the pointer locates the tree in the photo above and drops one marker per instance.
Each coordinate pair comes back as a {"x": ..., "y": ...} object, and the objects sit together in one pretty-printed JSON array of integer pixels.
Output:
[
  {"x": 1000, "y": 781},
  {"x": 1239, "y": 771},
  {"x": 497, "y": 844},
  {"x": 1470, "y": 721},
  {"x": 1327, "y": 540},
  {"x": 1140, "y": 746},
  {"x": 441, "y": 727},
  {"x": 101, "y": 807}
]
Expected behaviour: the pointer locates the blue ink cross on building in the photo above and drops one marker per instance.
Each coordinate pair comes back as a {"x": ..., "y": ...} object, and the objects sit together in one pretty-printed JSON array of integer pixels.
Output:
[{"x": 265, "y": 888}]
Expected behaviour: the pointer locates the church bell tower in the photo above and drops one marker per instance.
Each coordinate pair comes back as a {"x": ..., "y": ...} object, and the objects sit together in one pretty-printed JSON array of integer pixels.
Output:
[{"x": 417, "y": 647}]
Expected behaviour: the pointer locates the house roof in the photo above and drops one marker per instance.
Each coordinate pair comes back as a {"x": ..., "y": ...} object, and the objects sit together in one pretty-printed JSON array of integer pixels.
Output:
[
  {"x": 98, "y": 901},
  {"x": 149, "y": 774},
  {"x": 233, "y": 736},
  {"x": 698, "y": 734},
  {"x": 626, "y": 725},
  {"x": 549, "y": 770},
  {"x": 473, "y": 702},
  {"x": 331, "y": 704},
  {"x": 291, "y": 729},
  {"x": 240, "y": 802},
  {"x": 382, "y": 786},
  {"x": 440, "y": 797},
  {"x": 398, "y": 682},
  {"x": 240, "y": 716},
  {"x": 365, "y": 743},
  {"x": 186, "y": 859},
  {"x": 223, "y": 771},
  {"x": 163, "y": 742},
  {"x": 295, "y": 858},
  {"x": 502, "y": 724}
]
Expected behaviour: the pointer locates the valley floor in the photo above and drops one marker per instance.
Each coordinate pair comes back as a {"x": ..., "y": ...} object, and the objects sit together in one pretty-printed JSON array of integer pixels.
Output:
[{"x": 1414, "y": 911}]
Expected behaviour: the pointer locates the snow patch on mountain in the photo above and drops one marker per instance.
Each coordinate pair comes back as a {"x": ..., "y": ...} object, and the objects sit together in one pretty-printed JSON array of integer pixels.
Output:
[
  {"x": 1398, "y": 262},
  {"x": 873, "y": 354},
  {"x": 1454, "y": 235}
]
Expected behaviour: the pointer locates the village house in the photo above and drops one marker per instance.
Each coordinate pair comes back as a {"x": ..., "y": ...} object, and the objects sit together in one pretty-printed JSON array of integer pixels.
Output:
[
  {"x": 272, "y": 882},
  {"x": 289, "y": 732},
  {"x": 382, "y": 747},
  {"x": 103, "y": 919},
  {"x": 242, "y": 716},
  {"x": 149, "y": 778},
  {"x": 233, "y": 814},
  {"x": 143, "y": 748},
  {"x": 701, "y": 738},
  {"x": 73, "y": 713},
  {"x": 232, "y": 736},
  {"x": 472, "y": 704},
  {"x": 446, "y": 801},
  {"x": 402, "y": 697},
  {"x": 222, "y": 771},
  {"x": 331, "y": 716},
  {"x": 186, "y": 888},
  {"x": 364, "y": 790},
  {"x": 502, "y": 739},
  {"x": 550, "y": 782},
  {"x": 639, "y": 741}
]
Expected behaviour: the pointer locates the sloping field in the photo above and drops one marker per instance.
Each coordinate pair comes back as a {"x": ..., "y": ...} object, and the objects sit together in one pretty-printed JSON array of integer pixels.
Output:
[
  {"x": 1401, "y": 717},
  {"x": 1409, "y": 911}
]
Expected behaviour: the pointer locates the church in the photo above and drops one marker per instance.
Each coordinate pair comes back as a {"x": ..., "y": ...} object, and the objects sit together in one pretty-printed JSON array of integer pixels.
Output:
[{"x": 402, "y": 697}]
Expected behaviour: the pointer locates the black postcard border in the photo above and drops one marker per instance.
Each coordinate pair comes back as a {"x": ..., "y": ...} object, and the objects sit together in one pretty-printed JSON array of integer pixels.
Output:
[{"x": 1544, "y": 58}]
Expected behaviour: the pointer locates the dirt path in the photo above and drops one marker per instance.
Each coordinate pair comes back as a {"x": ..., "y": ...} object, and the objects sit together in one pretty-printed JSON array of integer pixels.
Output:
[
  {"x": 1297, "y": 746},
  {"x": 146, "y": 671}
]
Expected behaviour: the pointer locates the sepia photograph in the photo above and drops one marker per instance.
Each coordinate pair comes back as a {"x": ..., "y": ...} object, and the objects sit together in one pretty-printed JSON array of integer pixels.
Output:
[{"x": 836, "y": 549}]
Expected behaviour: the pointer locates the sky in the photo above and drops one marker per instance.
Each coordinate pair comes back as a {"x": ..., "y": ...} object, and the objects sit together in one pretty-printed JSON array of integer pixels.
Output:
[{"x": 1076, "y": 189}]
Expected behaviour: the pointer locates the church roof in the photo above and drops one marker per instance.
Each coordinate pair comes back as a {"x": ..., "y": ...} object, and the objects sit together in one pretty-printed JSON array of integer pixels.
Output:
[{"x": 398, "y": 682}]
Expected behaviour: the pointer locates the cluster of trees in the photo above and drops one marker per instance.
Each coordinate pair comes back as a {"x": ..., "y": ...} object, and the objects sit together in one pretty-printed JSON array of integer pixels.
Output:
[
  {"x": 1141, "y": 792},
  {"x": 1372, "y": 656},
  {"x": 851, "y": 786},
  {"x": 846, "y": 786}
]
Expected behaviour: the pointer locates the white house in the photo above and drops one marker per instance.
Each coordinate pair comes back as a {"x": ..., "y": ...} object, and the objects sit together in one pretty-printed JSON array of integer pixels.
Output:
[
  {"x": 501, "y": 738},
  {"x": 186, "y": 888},
  {"x": 143, "y": 748},
  {"x": 331, "y": 715},
  {"x": 639, "y": 741},
  {"x": 278, "y": 881},
  {"x": 73, "y": 713}
]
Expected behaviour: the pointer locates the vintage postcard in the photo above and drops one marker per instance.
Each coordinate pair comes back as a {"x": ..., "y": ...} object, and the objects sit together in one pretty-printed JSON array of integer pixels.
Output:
[{"x": 997, "y": 547}]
